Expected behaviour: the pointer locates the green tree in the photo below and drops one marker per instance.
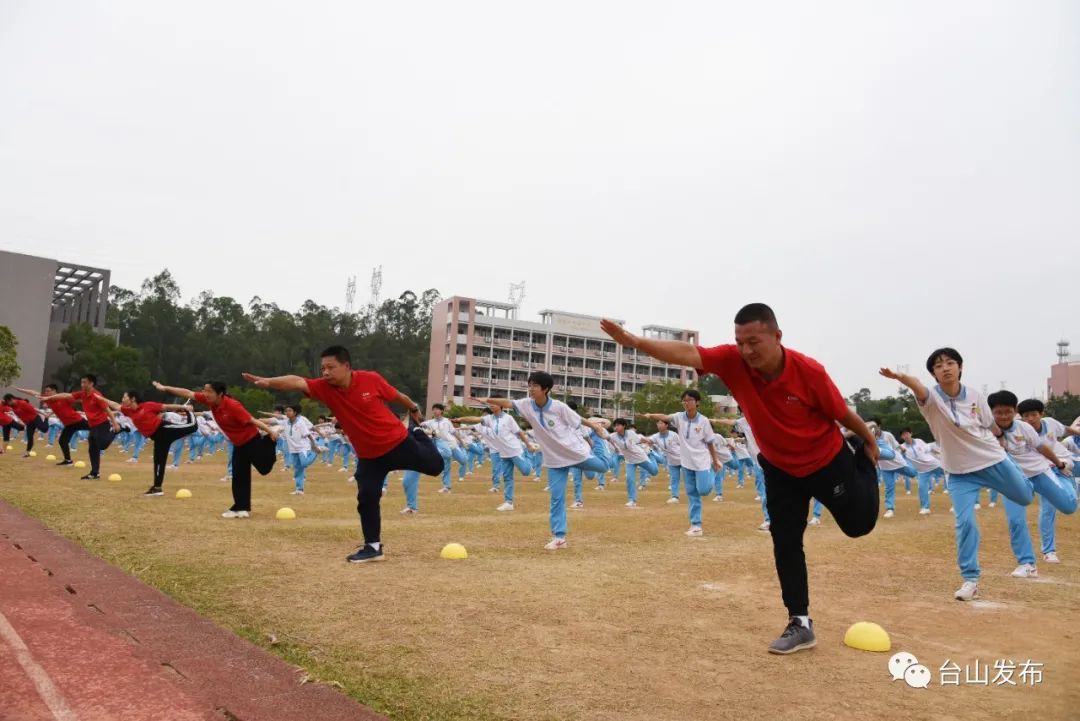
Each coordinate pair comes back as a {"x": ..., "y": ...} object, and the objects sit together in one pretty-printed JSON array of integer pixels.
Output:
[
  {"x": 894, "y": 412},
  {"x": 1065, "y": 408},
  {"x": 711, "y": 385},
  {"x": 9, "y": 357},
  {"x": 254, "y": 399},
  {"x": 118, "y": 367}
]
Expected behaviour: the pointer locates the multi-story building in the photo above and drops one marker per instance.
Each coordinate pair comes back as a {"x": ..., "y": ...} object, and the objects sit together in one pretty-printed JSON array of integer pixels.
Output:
[
  {"x": 481, "y": 348},
  {"x": 1065, "y": 374}
]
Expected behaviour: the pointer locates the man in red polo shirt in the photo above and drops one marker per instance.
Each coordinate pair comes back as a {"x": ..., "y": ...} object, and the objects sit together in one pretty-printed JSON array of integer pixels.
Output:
[
  {"x": 100, "y": 422},
  {"x": 793, "y": 408},
  {"x": 29, "y": 417},
  {"x": 8, "y": 422},
  {"x": 149, "y": 421},
  {"x": 242, "y": 429},
  {"x": 358, "y": 399},
  {"x": 63, "y": 407}
]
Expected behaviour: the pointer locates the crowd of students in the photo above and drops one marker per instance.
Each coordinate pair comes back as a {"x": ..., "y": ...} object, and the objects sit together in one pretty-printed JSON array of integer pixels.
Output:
[{"x": 797, "y": 439}]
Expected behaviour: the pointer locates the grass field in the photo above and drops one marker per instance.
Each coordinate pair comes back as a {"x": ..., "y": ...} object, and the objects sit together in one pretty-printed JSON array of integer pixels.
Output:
[{"x": 633, "y": 621}]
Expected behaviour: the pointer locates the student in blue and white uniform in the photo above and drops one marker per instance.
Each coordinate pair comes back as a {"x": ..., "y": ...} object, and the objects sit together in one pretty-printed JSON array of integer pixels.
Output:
[
  {"x": 299, "y": 445},
  {"x": 925, "y": 463},
  {"x": 742, "y": 426},
  {"x": 636, "y": 455},
  {"x": 966, "y": 432},
  {"x": 555, "y": 426},
  {"x": 507, "y": 441},
  {"x": 442, "y": 432},
  {"x": 669, "y": 445},
  {"x": 1031, "y": 411},
  {"x": 891, "y": 467}
]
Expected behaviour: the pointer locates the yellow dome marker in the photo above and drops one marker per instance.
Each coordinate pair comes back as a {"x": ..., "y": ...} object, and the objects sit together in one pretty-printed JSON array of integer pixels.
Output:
[
  {"x": 867, "y": 636},
  {"x": 285, "y": 514},
  {"x": 183, "y": 493},
  {"x": 454, "y": 552}
]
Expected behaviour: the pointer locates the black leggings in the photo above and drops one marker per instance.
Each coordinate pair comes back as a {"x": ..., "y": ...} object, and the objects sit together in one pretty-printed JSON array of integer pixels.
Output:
[
  {"x": 32, "y": 428},
  {"x": 101, "y": 437},
  {"x": 13, "y": 426},
  {"x": 66, "y": 435},
  {"x": 260, "y": 452},
  {"x": 163, "y": 438},
  {"x": 847, "y": 486},
  {"x": 416, "y": 452}
]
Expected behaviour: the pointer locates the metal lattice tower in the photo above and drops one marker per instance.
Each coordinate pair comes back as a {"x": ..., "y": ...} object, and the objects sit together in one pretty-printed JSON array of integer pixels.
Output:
[
  {"x": 517, "y": 294},
  {"x": 1063, "y": 351},
  {"x": 350, "y": 294},
  {"x": 376, "y": 285}
]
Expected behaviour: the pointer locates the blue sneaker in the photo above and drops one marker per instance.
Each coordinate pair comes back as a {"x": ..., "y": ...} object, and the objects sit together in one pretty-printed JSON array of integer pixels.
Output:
[{"x": 366, "y": 554}]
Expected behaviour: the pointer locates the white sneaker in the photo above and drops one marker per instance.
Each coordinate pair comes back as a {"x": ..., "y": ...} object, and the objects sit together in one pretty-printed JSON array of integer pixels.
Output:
[
  {"x": 406, "y": 511},
  {"x": 631, "y": 504},
  {"x": 1025, "y": 570},
  {"x": 978, "y": 506},
  {"x": 757, "y": 498},
  {"x": 577, "y": 504},
  {"x": 815, "y": 521},
  {"x": 1051, "y": 557},
  {"x": 764, "y": 526},
  {"x": 968, "y": 591},
  {"x": 236, "y": 514},
  {"x": 444, "y": 489},
  {"x": 924, "y": 511},
  {"x": 993, "y": 503},
  {"x": 946, "y": 491},
  {"x": 695, "y": 531},
  {"x": 547, "y": 488},
  {"x": 555, "y": 544},
  {"x": 505, "y": 507},
  {"x": 718, "y": 499},
  {"x": 297, "y": 492},
  {"x": 342, "y": 470},
  {"x": 889, "y": 513},
  {"x": 599, "y": 488},
  {"x": 132, "y": 460},
  {"x": 493, "y": 489},
  {"x": 225, "y": 479},
  {"x": 673, "y": 500},
  {"x": 907, "y": 493}
]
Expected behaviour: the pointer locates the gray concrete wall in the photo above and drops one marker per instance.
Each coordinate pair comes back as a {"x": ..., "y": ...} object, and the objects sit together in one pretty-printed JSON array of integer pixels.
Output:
[{"x": 26, "y": 293}]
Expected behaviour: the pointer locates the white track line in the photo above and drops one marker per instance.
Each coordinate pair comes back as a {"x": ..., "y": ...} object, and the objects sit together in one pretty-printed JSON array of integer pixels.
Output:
[{"x": 44, "y": 685}]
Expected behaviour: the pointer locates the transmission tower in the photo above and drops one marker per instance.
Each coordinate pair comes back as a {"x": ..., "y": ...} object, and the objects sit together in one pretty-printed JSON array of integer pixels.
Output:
[
  {"x": 350, "y": 294},
  {"x": 376, "y": 285},
  {"x": 517, "y": 294}
]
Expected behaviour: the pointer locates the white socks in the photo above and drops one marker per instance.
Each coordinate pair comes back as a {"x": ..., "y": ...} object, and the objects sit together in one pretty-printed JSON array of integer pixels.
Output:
[
  {"x": 376, "y": 546},
  {"x": 804, "y": 620}
]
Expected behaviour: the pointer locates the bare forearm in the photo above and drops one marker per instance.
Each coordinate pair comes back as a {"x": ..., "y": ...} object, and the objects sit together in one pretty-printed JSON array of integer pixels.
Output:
[
  {"x": 170, "y": 390},
  {"x": 503, "y": 403},
  {"x": 915, "y": 386},
  {"x": 676, "y": 352},
  {"x": 853, "y": 423}
]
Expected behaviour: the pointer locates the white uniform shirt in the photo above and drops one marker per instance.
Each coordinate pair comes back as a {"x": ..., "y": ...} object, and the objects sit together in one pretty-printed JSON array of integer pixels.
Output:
[
  {"x": 555, "y": 429},
  {"x": 889, "y": 440},
  {"x": 741, "y": 452},
  {"x": 1023, "y": 444},
  {"x": 921, "y": 456},
  {"x": 669, "y": 444},
  {"x": 297, "y": 434},
  {"x": 443, "y": 430},
  {"x": 503, "y": 430},
  {"x": 743, "y": 426},
  {"x": 630, "y": 446},
  {"x": 694, "y": 438},
  {"x": 723, "y": 450},
  {"x": 961, "y": 427},
  {"x": 1055, "y": 431}
]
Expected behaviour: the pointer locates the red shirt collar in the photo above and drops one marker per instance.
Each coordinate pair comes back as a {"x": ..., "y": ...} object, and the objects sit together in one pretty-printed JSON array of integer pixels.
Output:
[{"x": 784, "y": 372}]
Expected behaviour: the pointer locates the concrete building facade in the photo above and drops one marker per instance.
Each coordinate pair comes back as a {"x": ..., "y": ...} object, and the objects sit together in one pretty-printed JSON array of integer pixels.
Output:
[
  {"x": 39, "y": 298},
  {"x": 481, "y": 348}
]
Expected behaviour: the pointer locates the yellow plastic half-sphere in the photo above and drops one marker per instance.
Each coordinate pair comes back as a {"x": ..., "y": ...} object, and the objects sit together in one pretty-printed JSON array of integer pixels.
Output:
[
  {"x": 50, "y": 457},
  {"x": 867, "y": 636},
  {"x": 80, "y": 464},
  {"x": 454, "y": 551},
  {"x": 183, "y": 493},
  {"x": 285, "y": 514},
  {"x": 32, "y": 454},
  {"x": 115, "y": 477}
]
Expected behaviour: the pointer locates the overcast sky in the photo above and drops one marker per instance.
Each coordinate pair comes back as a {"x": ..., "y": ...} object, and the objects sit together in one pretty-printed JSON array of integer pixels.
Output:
[{"x": 889, "y": 176}]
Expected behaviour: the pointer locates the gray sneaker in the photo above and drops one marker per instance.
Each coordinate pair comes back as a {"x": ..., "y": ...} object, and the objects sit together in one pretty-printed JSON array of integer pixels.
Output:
[{"x": 795, "y": 637}]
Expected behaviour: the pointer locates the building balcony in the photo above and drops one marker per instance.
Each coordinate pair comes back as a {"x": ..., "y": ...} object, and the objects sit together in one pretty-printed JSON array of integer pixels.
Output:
[{"x": 481, "y": 339}]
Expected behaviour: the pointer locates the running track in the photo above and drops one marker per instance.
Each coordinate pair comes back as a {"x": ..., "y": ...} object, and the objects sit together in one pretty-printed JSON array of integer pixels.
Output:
[{"x": 81, "y": 640}]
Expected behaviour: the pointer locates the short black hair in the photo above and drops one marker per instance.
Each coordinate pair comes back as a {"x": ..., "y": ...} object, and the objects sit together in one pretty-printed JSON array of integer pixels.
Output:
[
  {"x": 438, "y": 406},
  {"x": 692, "y": 393},
  {"x": 1002, "y": 398},
  {"x": 663, "y": 420},
  {"x": 90, "y": 377},
  {"x": 949, "y": 353},
  {"x": 1031, "y": 404},
  {"x": 218, "y": 387},
  {"x": 51, "y": 385},
  {"x": 134, "y": 395},
  {"x": 573, "y": 404},
  {"x": 756, "y": 312},
  {"x": 8, "y": 398},
  {"x": 296, "y": 408},
  {"x": 904, "y": 430},
  {"x": 279, "y": 408},
  {"x": 874, "y": 419},
  {"x": 339, "y": 353},
  {"x": 542, "y": 379},
  {"x": 621, "y": 422}
]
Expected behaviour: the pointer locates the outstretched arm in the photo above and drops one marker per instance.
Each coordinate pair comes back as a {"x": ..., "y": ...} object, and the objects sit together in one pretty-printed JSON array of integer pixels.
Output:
[
  {"x": 676, "y": 352},
  {"x": 913, "y": 383},
  {"x": 655, "y": 417},
  {"x": 180, "y": 392},
  {"x": 264, "y": 428},
  {"x": 856, "y": 425},
  {"x": 278, "y": 383},
  {"x": 503, "y": 403},
  {"x": 729, "y": 422}
]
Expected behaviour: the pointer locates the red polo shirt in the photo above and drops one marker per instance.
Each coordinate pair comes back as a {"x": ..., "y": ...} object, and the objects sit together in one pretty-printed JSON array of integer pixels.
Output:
[
  {"x": 146, "y": 417},
  {"x": 793, "y": 416},
  {"x": 5, "y": 419},
  {"x": 24, "y": 411},
  {"x": 360, "y": 408},
  {"x": 232, "y": 418},
  {"x": 64, "y": 410},
  {"x": 93, "y": 406}
]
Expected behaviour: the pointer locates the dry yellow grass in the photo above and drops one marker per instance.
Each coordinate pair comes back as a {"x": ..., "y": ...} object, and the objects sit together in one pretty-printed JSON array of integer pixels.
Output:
[{"x": 633, "y": 621}]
